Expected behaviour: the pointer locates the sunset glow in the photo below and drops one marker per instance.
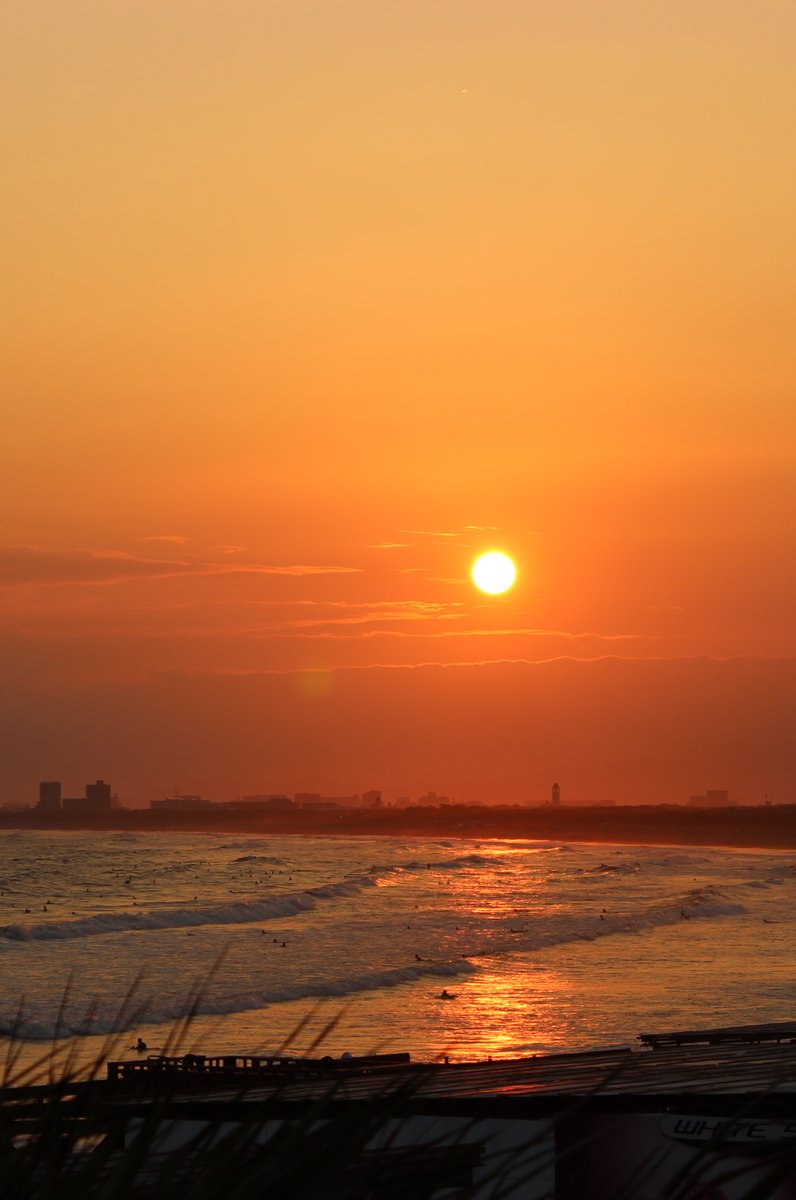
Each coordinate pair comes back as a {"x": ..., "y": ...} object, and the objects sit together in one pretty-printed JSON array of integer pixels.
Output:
[{"x": 312, "y": 303}]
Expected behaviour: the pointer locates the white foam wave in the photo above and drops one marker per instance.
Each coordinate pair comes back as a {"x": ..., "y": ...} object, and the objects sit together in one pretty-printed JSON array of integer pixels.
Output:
[
  {"x": 259, "y": 858},
  {"x": 615, "y": 869},
  {"x": 685, "y": 860},
  {"x": 249, "y": 844},
  {"x": 237, "y": 913},
  {"x": 445, "y": 864},
  {"x": 528, "y": 934},
  {"x": 80, "y": 1025}
]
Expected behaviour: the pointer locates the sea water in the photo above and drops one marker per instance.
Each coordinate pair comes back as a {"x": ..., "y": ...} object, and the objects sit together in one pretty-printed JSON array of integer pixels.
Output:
[{"x": 243, "y": 944}]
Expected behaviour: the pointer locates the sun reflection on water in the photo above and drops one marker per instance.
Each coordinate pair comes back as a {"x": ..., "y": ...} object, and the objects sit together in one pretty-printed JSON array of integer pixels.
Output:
[{"x": 500, "y": 1014}]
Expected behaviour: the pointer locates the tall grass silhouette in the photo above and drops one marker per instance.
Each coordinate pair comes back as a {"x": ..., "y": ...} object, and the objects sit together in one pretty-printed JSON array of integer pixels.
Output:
[{"x": 303, "y": 1130}]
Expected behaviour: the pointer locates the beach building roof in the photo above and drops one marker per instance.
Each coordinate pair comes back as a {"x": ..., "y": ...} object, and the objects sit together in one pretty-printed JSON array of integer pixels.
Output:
[
  {"x": 581, "y": 1124},
  {"x": 732, "y": 1061}
]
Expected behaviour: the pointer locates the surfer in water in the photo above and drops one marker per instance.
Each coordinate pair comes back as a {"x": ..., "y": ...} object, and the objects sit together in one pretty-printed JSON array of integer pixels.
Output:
[{"x": 141, "y": 1046}]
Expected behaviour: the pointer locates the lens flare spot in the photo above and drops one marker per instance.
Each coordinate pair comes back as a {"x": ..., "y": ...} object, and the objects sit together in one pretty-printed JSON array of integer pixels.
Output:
[{"x": 315, "y": 682}]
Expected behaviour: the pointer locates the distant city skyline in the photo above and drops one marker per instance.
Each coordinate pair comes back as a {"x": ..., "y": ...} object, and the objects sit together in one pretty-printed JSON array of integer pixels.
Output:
[{"x": 99, "y": 797}]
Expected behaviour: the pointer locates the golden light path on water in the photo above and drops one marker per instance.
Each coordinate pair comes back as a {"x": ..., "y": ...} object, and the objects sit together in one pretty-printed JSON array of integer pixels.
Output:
[{"x": 543, "y": 947}]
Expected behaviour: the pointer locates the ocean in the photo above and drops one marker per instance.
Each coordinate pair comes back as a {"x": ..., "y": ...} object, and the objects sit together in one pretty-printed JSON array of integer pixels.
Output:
[{"x": 323, "y": 945}]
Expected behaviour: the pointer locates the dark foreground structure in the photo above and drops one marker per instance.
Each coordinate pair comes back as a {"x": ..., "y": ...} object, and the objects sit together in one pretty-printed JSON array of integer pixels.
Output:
[{"x": 704, "y": 1115}]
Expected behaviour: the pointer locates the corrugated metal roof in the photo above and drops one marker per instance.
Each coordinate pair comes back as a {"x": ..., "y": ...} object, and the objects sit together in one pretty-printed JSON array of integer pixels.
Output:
[
  {"x": 724, "y": 1068},
  {"x": 773, "y": 1031}
]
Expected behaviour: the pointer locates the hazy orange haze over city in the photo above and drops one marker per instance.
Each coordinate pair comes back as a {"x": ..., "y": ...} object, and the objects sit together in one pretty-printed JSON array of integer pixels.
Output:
[{"x": 309, "y": 303}]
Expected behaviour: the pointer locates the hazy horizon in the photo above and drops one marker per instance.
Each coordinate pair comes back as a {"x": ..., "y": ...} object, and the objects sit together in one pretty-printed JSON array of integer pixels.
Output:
[{"x": 597, "y": 729}]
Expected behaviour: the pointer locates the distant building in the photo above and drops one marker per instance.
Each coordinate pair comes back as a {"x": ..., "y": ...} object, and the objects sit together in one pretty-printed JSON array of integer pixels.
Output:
[
  {"x": 280, "y": 802},
  {"x": 181, "y": 804},
  {"x": 255, "y": 804},
  {"x": 431, "y": 798},
  {"x": 555, "y": 798},
  {"x": 264, "y": 798},
  {"x": 316, "y": 800},
  {"x": 98, "y": 799},
  {"x": 99, "y": 794},
  {"x": 81, "y": 806},
  {"x": 372, "y": 799},
  {"x": 49, "y": 796},
  {"x": 714, "y": 798}
]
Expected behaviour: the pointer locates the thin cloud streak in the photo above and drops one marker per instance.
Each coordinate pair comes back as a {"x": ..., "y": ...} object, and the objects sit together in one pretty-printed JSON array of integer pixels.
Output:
[
  {"x": 315, "y": 622},
  {"x": 432, "y": 533},
  {"x": 465, "y": 633},
  {"x": 34, "y": 565},
  {"x": 247, "y": 673},
  {"x": 176, "y": 539},
  {"x": 278, "y": 631},
  {"x": 447, "y": 534}
]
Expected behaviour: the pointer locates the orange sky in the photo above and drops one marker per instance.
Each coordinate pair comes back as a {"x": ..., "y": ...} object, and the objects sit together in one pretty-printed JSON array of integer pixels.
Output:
[{"x": 307, "y": 303}]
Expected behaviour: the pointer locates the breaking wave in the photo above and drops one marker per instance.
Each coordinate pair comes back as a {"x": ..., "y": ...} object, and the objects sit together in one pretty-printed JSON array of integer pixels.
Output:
[
  {"x": 271, "y": 859},
  {"x": 239, "y": 912},
  {"x": 93, "y": 1023},
  {"x": 528, "y": 934}
]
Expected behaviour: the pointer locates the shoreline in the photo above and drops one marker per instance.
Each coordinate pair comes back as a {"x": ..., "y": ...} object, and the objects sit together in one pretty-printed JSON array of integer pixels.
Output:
[{"x": 759, "y": 827}]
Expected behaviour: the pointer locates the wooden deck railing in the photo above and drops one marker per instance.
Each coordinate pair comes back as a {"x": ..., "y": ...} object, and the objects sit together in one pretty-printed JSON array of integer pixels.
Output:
[{"x": 246, "y": 1065}]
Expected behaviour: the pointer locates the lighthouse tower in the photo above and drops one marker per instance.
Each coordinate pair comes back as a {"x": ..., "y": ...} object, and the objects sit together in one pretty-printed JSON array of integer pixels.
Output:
[{"x": 556, "y": 797}]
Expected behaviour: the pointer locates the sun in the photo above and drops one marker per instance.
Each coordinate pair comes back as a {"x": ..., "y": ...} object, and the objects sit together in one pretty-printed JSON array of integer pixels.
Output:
[{"x": 494, "y": 572}]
